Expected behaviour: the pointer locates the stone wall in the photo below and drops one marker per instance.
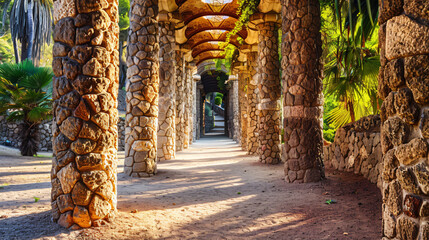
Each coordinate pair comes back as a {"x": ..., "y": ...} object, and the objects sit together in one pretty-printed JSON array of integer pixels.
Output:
[
  {"x": 404, "y": 87},
  {"x": 357, "y": 149},
  {"x": 9, "y": 134}
]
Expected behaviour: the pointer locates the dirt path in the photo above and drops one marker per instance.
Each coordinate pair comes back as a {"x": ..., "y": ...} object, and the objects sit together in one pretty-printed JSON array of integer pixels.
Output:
[{"x": 211, "y": 191}]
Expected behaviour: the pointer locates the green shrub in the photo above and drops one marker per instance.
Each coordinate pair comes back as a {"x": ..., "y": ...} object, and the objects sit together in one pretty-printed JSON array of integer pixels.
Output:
[
  {"x": 218, "y": 101},
  {"x": 329, "y": 134},
  {"x": 208, "y": 110}
]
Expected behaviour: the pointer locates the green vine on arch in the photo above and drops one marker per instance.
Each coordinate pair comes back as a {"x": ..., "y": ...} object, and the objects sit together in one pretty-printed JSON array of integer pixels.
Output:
[{"x": 245, "y": 9}]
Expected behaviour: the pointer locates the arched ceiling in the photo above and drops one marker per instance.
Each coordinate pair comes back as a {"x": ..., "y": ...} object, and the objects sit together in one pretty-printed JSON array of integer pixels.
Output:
[
  {"x": 203, "y": 24},
  {"x": 206, "y": 25}
]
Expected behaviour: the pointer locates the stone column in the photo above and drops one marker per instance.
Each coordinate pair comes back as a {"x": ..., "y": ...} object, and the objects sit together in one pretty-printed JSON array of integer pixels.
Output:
[
  {"x": 233, "y": 108},
  {"x": 85, "y": 87},
  {"x": 167, "y": 92},
  {"x": 302, "y": 88},
  {"x": 242, "y": 95},
  {"x": 252, "y": 100},
  {"x": 404, "y": 86},
  {"x": 198, "y": 111},
  {"x": 180, "y": 101},
  {"x": 187, "y": 107},
  {"x": 142, "y": 90},
  {"x": 269, "y": 93},
  {"x": 195, "y": 97}
]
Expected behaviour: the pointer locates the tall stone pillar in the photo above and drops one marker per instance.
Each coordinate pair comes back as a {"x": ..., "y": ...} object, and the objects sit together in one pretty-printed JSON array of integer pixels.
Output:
[
  {"x": 195, "y": 97},
  {"x": 180, "y": 101},
  {"x": 85, "y": 88},
  {"x": 187, "y": 106},
  {"x": 167, "y": 92},
  {"x": 404, "y": 86},
  {"x": 242, "y": 87},
  {"x": 269, "y": 93},
  {"x": 302, "y": 88},
  {"x": 142, "y": 90},
  {"x": 252, "y": 100}
]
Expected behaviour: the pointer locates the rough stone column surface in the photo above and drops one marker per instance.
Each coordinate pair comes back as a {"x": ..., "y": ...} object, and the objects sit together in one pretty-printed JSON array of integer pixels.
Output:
[
  {"x": 85, "y": 87},
  {"x": 252, "y": 101},
  {"x": 187, "y": 107},
  {"x": 167, "y": 92},
  {"x": 180, "y": 101},
  {"x": 269, "y": 93},
  {"x": 142, "y": 90},
  {"x": 302, "y": 87},
  {"x": 237, "y": 114},
  {"x": 194, "y": 111},
  {"x": 242, "y": 86},
  {"x": 404, "y": 87}
]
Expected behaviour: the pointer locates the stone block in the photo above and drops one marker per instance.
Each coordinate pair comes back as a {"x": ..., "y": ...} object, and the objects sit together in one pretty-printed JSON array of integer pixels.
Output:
[
  {"x": 66, "y": 219},
  {"x": 407, "y": 180},
  {"x": 389, "y": 9},
  {"x": 417, "y": 76},
  {"x": 412, "y": 151},
  {"x": 405, "y": 37},
  {"x": 407, "y": 229},
  {"x": 93, "y": 179},
  {"x": 412, "y": 205},
  {"x": 81, "y": 195},
  {"x": 99, "y": 208},
  {"x": 68, "y": 176},
  {"x": 81, "y": 217},
  {"x": 421, "y": 171}
]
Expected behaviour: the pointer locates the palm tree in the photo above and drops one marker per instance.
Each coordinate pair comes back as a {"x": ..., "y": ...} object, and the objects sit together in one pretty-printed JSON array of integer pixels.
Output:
[
  {"x": 31, "y": 25},
  {"x": 351, "y": 69},
  {"x": 24, "y": 98}
]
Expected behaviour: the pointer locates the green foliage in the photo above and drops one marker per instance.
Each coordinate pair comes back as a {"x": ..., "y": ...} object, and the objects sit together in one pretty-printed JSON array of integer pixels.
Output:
[
  {"x": 124, "y": 20},
  {"x": 218, "y": 101},
  {"x": 24, "y": 97},
  {"x": 6, "y": 50},
  {"x": 351, "y": 60},
  {"x": 245, "y": 10},
  {"x": 208, "y": 110}
]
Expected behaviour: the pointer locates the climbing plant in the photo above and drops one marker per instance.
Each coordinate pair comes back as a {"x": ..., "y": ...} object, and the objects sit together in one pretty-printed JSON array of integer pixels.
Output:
[{"x": 245, "y": 10}]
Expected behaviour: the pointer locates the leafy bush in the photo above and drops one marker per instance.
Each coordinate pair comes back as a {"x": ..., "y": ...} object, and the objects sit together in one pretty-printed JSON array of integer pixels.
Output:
[
  {"x": 218, "y": 101},
  {"x": 329, "y": 134},
  {"x": 24, "y": 97},
  {"x": 208, "y": 110}
]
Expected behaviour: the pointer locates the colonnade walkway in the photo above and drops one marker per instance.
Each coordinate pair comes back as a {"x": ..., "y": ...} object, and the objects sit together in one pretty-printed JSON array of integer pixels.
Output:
[{"x": 212, "y": 190}]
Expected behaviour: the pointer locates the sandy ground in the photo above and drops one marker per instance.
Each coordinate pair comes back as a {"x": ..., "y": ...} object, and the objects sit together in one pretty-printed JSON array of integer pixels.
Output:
[{"x": 211, "y": 191}]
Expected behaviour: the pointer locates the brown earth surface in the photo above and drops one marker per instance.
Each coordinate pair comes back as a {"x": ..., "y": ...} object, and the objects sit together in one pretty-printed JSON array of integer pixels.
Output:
[{"x": 211, "y": 191}]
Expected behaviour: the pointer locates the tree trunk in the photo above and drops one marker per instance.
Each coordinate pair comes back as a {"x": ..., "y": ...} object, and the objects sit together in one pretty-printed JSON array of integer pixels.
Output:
[
  {"x": 30, "y": 32},
  {"x": 15, "y": 50},
  {"x": 29, "y": 139},
  {"x": 404, "y": 49},
  {"x": 85, "y": 131},
  {"x": 303, "y": 98}
]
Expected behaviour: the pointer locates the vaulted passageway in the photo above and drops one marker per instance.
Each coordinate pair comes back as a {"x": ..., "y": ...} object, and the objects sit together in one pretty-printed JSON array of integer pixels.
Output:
[{"x": 169, "y": 42}]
